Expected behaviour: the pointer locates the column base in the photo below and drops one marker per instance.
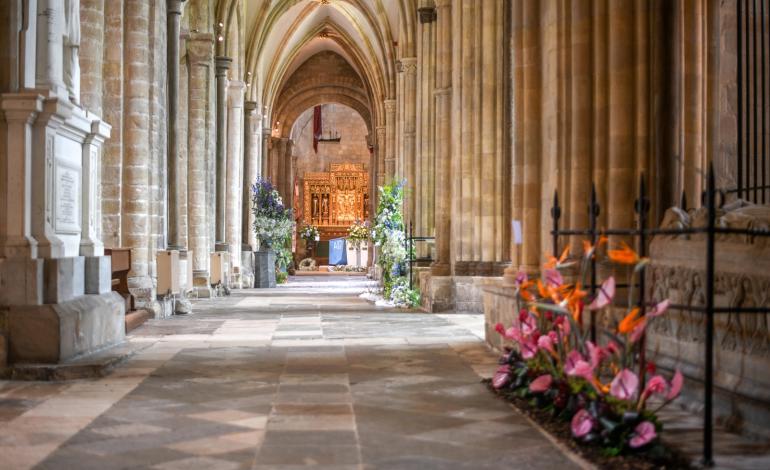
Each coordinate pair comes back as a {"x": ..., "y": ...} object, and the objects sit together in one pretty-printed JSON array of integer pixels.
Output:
[
  {"x": 26, "y": 277},
  {"x": 221, "y": 246},
  {"x": 98, "y": 274},
  {"x": 53, "y": 333},
  {"x": 201, "y": 286},
  {"x": 440, "y": 269},
  {"x": 64, "y": 279}
]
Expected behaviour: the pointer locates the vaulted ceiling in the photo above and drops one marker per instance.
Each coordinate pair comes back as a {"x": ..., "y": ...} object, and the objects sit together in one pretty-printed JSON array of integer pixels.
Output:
[{"x": 281, "y": 35}]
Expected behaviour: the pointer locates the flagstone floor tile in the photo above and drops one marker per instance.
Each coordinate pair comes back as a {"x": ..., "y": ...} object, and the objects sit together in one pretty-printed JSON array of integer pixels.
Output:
[{"x": 302, "y": 376}]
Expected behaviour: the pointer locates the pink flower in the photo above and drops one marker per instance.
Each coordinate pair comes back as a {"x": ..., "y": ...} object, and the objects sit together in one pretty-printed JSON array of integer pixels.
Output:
[
  {"x": 612, "y": 347},
  {"x": 604, "y": 295},
  {"x": 638, "y": 330},
  {"x": 596, "y": 354},
  {"x": 528, "y": 348},
  {"x": 546, "y": 343},
  {"x": 583, "y": 369},
  {"x": 643, "y": 434},
  {"x": 571, "y": 361},
  {"x": 581, "y": 424},
  {"x": 528, "y": 325},
  {"x": 553, "y": 277},
  {"x": 521, "y": 278},
  {"x": 659, "y": 309},
  {"x": 624, "y": 385},
  {"x": 656, "y": 385},
  {"x": 541, "y": 384},
  {"x": 676, "y": 385},
  {"x": 500, "y": 328},
  {"x": 502, "y": 377},
  {"x": 513, "y": 333}
]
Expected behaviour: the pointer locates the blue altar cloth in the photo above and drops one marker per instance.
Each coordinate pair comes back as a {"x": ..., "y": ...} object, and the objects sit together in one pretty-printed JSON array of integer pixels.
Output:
[{"x": 337, "y": 253}]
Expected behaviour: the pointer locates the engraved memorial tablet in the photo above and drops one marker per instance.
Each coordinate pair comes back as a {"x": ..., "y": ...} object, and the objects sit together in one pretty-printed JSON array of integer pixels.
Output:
[{"x": 67, "y": 203}]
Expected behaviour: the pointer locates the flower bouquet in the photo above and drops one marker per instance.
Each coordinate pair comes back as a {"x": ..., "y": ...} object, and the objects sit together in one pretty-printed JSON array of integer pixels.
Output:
[
  {"x": 604, "y": 389},
  {"x": 273, "y": 222},
  {"x": 309, "y": 233},
  {"x": 358, "y": 234}
]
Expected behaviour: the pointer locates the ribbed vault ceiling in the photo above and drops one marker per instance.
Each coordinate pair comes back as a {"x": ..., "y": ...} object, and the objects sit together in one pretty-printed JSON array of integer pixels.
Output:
[{"x": 281, "y": 35}]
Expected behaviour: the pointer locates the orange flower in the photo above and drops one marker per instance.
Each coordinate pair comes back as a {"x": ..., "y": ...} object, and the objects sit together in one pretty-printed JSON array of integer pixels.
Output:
[
  {"x": 588, "y": 248},
  {"x": 624, "y": 255},
  {"x": 542, "y": 290},
  {"x": 552, "y": 262},
  {"x": 575, "y": 302},
  {"x": 630, "y": 322}
]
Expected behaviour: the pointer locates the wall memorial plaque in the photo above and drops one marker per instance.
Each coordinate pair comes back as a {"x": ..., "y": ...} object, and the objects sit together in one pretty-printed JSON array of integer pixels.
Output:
[{"x": 67, "y": 199}]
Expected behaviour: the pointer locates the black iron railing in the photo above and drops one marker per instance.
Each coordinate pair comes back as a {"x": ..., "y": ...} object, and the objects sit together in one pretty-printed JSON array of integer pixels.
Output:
[
  {"x": 641, "y": 233},
  {"x": 411, "y": 256}
]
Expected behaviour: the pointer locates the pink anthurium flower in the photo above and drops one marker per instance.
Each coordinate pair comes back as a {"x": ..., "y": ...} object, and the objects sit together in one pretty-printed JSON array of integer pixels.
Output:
[
  {"x": 541, "y": 384},
  {"x": 624, "y": 385},
  {"x": 676, "y": 385},
  {"x": 595, "y": 353},
  {"x": 553, "y": 277},
  {"x": 528, "y": 325},
  {"x": 572, "y": 359},
  {"x": 604, "y": 295},
  {"x": 528, "y": 348},
  {"x": 513, "y": 333},
  {"x": 582, "y": 423},
  {"x": 659, "y": 309},
  {"x": 638, "y": 331},
  {"x": 521, "y": 278},
  {"x": 643, "y": 434},
  {"x": 656, "y": 385},
  {"x": 502, "y": 377},
  {"x": 545, "y": 342},
  {"x": 583, "y": 369}
]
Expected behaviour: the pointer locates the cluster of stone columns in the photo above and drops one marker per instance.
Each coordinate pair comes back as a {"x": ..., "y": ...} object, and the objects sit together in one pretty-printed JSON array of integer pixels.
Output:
[{"x": 586, "y": 78}]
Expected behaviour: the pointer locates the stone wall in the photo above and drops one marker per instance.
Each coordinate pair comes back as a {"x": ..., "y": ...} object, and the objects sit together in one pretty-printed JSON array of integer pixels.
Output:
[{"x": 352, "y": 147}]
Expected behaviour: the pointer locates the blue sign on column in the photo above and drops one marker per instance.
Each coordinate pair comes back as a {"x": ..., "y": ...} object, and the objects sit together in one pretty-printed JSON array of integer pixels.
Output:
[{"x": 337, "y": 252}]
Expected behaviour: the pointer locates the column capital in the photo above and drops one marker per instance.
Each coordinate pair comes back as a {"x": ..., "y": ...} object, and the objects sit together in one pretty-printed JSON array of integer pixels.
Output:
[
  {"x": 427, "y": 14},
  {"x": 407, "y": 65},
  {"x": 250, "y": 106},
  {"x": 200, "y": 47},
  {"x": 223, "y": 65},
  {"x": 174, "y": 7},
  {"x": 443, "y": 3}
]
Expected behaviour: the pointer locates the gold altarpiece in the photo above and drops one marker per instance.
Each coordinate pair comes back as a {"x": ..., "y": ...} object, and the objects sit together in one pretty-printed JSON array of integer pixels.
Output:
[{"x": 335, "y": 199}]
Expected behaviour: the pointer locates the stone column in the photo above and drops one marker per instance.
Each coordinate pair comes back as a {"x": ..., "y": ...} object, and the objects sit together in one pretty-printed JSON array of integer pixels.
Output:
[
  {"x": 200, "y": 51},
  {"x": 112, "y": 97},
  {"x": 234, "y": 181},
  {"x": 443, "y": 177},
  {"x": 390, "y": 138},
  {"x": 222, "y": 65},
  {"x": 425, "y": 120},
  {"x": 172, "y": 63},
  {"x": 90, "y": 225},
  {"x": 409, "y": 70},
  {"x": 50, "y": 41},
  {"x": 92, "y": 54},
  {"x": 16, "y": 238},
  {"x": 381, "y": 155},
  {"x": 265, "y": 163},
  {"x": 136, "y": 159},
  {"x": 251, "y": 169}
]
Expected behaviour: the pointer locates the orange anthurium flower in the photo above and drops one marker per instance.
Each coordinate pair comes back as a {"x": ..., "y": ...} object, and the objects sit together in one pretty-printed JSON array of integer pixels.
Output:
[
  {"x": 552, "y": 262},
  {"x": 624, "y": 255},
  {"x": 542, "y": 290},
  {"x": 630, "y": 322}
]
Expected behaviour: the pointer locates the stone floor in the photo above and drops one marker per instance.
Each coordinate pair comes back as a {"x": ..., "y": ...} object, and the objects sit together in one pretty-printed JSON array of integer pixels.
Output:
[{"x": 302, "y": 376}]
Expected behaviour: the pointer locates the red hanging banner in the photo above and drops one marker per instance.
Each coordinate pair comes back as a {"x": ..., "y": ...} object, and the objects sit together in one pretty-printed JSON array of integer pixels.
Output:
[{"x": 317, "y": 127}]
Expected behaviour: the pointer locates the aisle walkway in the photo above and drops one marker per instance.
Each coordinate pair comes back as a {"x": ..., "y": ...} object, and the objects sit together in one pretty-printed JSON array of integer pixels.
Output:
[{"x": 304, "y": 376}]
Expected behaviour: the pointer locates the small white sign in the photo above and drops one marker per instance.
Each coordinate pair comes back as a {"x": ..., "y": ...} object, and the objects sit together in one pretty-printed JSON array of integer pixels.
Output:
[{"x": 516, "y": 226}]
